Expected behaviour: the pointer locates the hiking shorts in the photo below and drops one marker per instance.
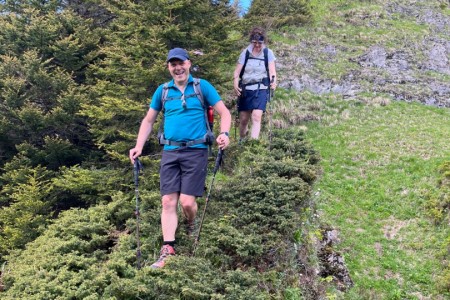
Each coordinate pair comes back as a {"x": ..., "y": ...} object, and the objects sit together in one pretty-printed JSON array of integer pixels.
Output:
[
  {"x": 251, "y": 100},
  {"x": 184, "y": 171}
]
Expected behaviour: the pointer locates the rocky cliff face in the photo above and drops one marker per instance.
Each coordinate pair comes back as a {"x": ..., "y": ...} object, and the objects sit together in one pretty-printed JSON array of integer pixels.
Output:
[{"x": 400, "y": 50}]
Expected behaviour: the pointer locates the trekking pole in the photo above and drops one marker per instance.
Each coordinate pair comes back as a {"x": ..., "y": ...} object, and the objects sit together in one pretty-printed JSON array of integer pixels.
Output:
[
  {"x": 136, "y": 170},
  {"x": 216, "y": 167},
  {"x": 271, "y": 92},
  {"x": 236, "y": 119}
]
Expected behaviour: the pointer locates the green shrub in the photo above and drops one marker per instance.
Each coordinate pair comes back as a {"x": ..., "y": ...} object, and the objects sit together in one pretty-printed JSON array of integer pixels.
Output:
[
  {"x": 247, "y": 248},
  {"x": 438, "y": 204},
  {"x": 69, "y": 260}
]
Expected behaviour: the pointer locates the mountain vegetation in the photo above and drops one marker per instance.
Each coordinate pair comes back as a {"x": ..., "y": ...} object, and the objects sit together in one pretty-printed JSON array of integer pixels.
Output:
[{"x": 346, "y": 195}]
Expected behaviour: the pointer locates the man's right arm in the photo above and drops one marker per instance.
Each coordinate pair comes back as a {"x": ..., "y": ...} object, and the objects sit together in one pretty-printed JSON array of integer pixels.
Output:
[{"x": 144, "y": 131}]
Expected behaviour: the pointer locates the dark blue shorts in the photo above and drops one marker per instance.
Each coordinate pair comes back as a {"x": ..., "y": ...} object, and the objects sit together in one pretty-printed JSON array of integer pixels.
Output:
[
  {"x": 184, "y": 171},
  {"x": 253, "y": 100}
]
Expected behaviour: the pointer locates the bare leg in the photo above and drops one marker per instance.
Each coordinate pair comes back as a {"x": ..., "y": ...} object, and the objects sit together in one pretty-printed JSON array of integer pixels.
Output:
[
  {"x": 169, "y": 217},
  {"x": 244, "y": 117},
  {"x": 256, "y": 123}
]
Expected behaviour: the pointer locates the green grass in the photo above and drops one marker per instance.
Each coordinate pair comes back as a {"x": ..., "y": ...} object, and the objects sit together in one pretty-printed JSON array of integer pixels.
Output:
[
  {"x": 379, "y": 164},
  {"x": 380, "y": 157}
]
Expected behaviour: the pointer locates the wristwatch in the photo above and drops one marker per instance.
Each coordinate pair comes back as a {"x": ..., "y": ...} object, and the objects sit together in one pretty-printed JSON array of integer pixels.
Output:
[{"x": 225, "y": 132}]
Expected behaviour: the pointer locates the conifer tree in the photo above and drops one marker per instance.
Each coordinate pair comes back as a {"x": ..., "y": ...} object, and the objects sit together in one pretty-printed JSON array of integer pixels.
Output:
[
  {"x": 44, "y": 53},
  {"x": 26, "y": 215},
  {"x": 46, "y": 78}
]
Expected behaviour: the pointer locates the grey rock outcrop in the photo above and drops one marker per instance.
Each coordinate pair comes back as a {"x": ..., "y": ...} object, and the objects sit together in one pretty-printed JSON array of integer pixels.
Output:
[{"x": 415, "y": 68}]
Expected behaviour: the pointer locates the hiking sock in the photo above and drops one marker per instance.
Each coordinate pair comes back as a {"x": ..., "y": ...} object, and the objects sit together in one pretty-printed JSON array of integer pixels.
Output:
[{"x": 170, "y": 243}]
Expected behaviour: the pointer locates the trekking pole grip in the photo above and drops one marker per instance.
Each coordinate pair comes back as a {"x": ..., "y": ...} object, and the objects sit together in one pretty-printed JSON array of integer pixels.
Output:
[
  {"x": 136, "y": 170},
  {"x": 218, "y": 160}
]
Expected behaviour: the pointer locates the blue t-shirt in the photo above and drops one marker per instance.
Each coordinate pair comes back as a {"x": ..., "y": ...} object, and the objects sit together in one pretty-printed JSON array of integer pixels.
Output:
[{"x": 183, "y": 124}]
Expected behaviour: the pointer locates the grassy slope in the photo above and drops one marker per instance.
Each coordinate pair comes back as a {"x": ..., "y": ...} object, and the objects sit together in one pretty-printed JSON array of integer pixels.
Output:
[{"x": 380, "y": 164}]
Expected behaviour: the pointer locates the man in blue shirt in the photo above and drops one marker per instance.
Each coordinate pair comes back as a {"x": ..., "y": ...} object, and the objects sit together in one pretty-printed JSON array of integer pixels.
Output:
[{"x": 183, "y": 168}]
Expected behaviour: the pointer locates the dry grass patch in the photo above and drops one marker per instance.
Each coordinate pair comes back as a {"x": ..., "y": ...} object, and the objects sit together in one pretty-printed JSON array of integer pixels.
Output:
[{"x": 392, "y": 228}]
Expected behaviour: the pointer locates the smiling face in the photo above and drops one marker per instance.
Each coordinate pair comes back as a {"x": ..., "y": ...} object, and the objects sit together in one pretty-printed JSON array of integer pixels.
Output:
[{"x": 179, "y": 69}]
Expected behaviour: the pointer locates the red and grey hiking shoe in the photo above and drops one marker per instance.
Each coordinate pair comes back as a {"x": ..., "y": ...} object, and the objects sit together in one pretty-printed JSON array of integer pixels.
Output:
[{"x": 166, "y": 251}]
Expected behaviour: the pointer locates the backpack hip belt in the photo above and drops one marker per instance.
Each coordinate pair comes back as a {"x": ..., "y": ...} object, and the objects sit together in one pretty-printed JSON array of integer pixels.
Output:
[
  {"x": 264, "y": 81},
  {"x": 207, "y": 139}
]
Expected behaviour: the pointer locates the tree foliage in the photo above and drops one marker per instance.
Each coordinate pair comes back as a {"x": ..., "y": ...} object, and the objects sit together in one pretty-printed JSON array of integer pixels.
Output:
[
  {"x": 44, "y": 54},
  {"x": 135, "y": 50},
  {"x": 25, "y": 217}
]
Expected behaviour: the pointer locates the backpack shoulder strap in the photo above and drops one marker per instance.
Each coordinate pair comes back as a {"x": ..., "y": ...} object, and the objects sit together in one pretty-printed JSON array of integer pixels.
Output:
[
  {"x": 198, "y": 91},
  {"x": 164, "y": 93},
  {"x": 208, "y": 110},
  {"x": 266, "y": 60},
  {"x": 247, "y": 55}
]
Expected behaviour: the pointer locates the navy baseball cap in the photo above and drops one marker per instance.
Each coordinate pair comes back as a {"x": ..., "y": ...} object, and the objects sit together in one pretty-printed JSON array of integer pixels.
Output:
[{"x": 177, "y": 53}]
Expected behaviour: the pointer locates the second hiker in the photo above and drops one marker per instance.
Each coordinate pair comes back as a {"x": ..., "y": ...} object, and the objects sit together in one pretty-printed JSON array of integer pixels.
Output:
[
  {"x": 252, "y": 79},
  {"x": 185, "y": 137}
]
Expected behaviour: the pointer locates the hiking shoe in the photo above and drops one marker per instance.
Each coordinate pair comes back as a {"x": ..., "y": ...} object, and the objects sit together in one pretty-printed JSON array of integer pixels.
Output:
[
  {"x": 190, "y": 227},
  {"x": 166, "y": 252},
  {"x": 242, "y": 140}
]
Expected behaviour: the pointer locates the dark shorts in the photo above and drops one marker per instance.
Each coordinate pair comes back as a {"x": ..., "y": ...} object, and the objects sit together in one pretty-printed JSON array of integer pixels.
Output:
[
  {"x": 184, "y": 171},
  {"x": 253, "y": 100}
]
